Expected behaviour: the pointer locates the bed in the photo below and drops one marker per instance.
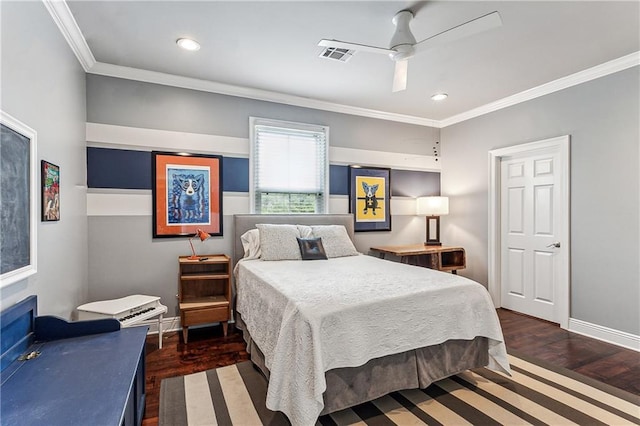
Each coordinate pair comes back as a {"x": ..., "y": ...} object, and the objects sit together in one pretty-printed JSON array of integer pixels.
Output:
[{"x": 330, "y": 334}]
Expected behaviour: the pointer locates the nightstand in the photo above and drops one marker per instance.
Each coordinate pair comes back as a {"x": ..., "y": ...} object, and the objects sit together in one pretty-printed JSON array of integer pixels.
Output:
[
  {"x": 204, "y": 291},
  {"x": 433, "y": 257}
]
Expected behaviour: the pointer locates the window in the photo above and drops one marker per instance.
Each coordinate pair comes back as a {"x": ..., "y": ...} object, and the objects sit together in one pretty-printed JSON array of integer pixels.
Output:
[{"x": 288, "y": 167}]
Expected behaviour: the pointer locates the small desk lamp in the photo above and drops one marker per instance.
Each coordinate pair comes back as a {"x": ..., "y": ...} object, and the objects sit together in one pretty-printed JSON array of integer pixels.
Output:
[
  {"x": 203, "y": 236},
  {"x": 432, "y": 208}
]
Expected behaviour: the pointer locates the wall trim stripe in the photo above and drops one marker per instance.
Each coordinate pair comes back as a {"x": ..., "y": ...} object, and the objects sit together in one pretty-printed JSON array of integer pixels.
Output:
[
  {"x": 124, "y": 137},
  {"x": 130, "y": 202},
  {"x": 393, "y": 160},
  {"x": 100, "y": 135},
  {"x": 606, "y": 334}
]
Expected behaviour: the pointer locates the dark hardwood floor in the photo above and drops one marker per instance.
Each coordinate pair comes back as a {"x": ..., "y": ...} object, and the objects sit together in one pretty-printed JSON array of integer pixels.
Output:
[
  {"x": 610, "y": 364},
  {"x": 208, "y": 349}
]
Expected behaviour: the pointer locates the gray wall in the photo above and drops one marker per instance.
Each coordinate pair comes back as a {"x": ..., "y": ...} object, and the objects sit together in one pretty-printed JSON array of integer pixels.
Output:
[
  {"x": 152, "y": 106},
  {"x": 601, "y": 117},
  {"x": 43, "y": 86},
  {"x": 124, "y": 259}
]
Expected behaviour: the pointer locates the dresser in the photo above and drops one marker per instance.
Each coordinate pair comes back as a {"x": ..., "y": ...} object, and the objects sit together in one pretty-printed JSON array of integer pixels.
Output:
[{"x": 80, "y": 373}]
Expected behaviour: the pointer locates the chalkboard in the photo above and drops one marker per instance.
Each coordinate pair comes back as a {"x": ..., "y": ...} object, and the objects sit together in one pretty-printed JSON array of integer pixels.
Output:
[{"x": 17, "y": 206}]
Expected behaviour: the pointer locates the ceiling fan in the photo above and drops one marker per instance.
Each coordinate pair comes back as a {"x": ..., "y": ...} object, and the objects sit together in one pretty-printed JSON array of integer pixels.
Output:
[{"x": 403, "y": 44}]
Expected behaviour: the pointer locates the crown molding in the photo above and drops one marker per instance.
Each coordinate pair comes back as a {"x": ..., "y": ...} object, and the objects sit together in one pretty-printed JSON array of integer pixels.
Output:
[
  {"x": 62, "y": 16},
  {"x": 110, "y": 70},
  {"x": 68, "y": 26},
  {"x": 580, "y": 77},
  {"x": 604, "y": 69}
]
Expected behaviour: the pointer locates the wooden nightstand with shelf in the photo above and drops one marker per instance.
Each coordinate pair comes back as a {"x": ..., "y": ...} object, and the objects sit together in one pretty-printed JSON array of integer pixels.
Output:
[
  {"x": 433, "y": 257},
  {"x": 204, "y": 291}
]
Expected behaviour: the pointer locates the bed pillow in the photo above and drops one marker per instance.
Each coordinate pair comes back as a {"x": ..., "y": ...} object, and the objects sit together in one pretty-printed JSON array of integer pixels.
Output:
[
  {"x": 278, "y": 242},
  {"x": 311, "y": 249},
  {"x": 335, "y": 239},
  {"x": 251, "y": 244},
  {"x": 305, "y": 231}
]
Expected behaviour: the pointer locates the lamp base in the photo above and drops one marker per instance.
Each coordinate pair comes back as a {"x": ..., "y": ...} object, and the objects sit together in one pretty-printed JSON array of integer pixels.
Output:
[
  {"x": 193, "y": 257},
  {"x": 433, "y": 231}
]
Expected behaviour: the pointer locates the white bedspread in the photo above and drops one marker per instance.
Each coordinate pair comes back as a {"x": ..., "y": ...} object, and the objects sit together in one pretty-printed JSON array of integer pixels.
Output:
[{"x": 309, "y": 317}]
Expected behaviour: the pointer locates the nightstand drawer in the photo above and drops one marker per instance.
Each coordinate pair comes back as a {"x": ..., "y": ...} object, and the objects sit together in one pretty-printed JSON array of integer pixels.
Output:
[{"x": 201, "y": 316}]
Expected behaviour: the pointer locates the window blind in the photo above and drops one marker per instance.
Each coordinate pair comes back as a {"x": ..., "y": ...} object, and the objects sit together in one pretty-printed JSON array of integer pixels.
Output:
[{"x": 289, "y": 167}]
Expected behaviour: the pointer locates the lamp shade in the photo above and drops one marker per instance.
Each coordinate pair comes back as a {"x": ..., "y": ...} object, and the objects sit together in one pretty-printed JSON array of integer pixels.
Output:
[
  {"x": 202, "y": 235},
  {"x": 432, "y": 206}
]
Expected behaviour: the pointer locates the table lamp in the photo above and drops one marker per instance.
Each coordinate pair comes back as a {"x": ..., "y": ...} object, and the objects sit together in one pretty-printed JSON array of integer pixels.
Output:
[
  {"x": 432, "y": 208},
  {"x": 203, "y": 236}
]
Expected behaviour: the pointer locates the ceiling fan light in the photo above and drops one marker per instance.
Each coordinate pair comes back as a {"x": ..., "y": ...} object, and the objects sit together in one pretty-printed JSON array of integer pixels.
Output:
[
  {"x": 439, "y": 97},
  {"x": 188, "y": 44}
]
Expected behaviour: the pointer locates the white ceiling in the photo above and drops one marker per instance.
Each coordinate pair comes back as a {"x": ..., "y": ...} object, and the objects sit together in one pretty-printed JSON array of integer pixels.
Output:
[{"x": 272, "y": 46}]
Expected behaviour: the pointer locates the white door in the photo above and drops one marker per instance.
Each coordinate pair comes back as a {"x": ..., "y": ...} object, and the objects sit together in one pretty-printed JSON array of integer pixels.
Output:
[{"x": 531, "y": 234}]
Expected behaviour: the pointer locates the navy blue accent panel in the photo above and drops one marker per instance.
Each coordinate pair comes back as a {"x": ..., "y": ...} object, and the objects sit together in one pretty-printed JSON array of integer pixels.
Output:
[
  {"x": 235, "y": 174},
  {"x": 410, "y": 183},
  {"x": 118, "y": 168},
  {"x": 49, "y": 327},
  {"x": 339, "y": 180},
  {"x": 17, "y": 333},
  {"x": 130, "y": 169}
]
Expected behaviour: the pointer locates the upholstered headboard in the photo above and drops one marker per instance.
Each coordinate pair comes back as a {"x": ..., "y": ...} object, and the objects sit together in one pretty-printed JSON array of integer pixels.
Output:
[{"x": 244, "y": 222}]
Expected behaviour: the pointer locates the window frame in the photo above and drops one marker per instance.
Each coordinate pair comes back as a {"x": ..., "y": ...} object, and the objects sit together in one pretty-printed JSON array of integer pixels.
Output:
[{"x": 259, "y": 121}]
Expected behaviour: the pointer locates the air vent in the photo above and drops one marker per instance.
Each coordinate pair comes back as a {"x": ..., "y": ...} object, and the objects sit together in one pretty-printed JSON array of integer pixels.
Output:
[{"x": 342, "y": 55}]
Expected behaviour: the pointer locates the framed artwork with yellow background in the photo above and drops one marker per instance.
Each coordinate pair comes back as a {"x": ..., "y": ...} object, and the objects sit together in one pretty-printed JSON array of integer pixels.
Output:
[{"x": 369, "y": 195}]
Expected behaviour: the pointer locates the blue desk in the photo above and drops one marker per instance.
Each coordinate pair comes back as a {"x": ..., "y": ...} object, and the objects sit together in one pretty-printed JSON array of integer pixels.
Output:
[{"x": 95, "y": 379}]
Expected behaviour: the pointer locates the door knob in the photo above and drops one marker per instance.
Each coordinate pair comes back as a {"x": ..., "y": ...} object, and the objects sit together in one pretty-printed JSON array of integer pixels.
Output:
[{"x": 554, "y": 245}]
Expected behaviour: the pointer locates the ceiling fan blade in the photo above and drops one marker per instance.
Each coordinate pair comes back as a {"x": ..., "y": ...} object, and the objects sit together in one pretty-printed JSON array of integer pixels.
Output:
[
  {"x": 477, "y": 25},
  {"x": 353, "y": 46},
  {"x": 400, "y": 75}
]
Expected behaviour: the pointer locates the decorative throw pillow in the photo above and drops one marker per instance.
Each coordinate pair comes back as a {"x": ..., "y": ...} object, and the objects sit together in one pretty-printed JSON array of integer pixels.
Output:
[
  {"x": 278, "y": 242},
  {"x": 335, "y": 239},
  {"x": 251, "y": 244},
  {"x": 311, "y": 248}
]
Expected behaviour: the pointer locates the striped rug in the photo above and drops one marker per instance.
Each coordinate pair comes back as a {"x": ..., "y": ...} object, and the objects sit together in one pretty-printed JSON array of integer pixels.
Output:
[{"x": 536, "y": 395}]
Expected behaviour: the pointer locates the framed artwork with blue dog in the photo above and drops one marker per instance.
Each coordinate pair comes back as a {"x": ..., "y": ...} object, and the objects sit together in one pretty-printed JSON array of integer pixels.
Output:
[
  {"x": 187, "y": 194},
  {"x": 369, "y": 195}
]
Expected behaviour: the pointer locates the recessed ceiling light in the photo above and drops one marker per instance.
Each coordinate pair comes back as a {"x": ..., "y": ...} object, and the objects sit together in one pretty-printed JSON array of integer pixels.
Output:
[
  {"x": 439, "y": 96},
  {"x": 188, "y": 44}
]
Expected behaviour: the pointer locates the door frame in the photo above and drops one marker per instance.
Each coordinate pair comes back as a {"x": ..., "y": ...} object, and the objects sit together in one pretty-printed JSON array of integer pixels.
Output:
[{"x": 562, "y": 144}]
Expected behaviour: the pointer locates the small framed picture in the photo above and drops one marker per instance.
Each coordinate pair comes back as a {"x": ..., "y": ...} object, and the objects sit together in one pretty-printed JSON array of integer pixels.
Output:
[
  {"x": 187, "y": 194},
  {"x": 50, "y": 189},
  {"x": 369, "y": 198}
]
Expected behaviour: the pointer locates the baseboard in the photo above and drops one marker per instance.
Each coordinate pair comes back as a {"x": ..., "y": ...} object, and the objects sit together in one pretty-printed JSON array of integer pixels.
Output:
[
  {"x": 168, "y": 324},
  {"x": 609, "y": 335}
]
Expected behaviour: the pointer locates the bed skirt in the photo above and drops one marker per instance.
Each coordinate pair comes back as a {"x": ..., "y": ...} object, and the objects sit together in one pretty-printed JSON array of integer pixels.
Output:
[{"x": 413, "y": 369}]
